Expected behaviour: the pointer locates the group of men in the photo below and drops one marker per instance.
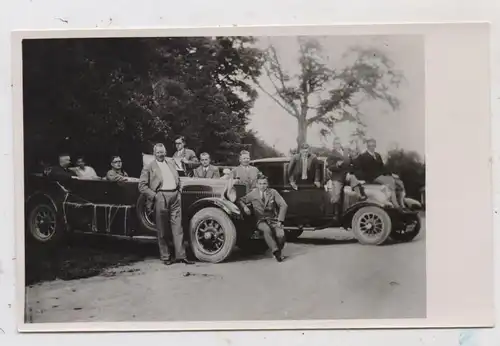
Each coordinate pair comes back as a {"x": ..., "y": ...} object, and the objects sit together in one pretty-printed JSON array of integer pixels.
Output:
[
  {"x": 63, "y": 171},
  {"x": 160, "y": 182},
  {"x": 342, "y": 169}
]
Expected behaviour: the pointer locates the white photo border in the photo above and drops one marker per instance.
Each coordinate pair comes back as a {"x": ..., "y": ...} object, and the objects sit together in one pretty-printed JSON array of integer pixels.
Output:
[{"x": 459, "y": 216}]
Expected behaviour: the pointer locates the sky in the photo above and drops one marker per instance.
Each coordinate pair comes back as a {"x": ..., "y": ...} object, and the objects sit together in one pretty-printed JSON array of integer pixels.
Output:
[{"x": 404, "y": 127}]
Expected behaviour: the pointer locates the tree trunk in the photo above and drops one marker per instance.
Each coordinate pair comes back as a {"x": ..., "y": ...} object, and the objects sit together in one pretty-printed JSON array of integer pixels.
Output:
[{"x": 302, "y": 137}]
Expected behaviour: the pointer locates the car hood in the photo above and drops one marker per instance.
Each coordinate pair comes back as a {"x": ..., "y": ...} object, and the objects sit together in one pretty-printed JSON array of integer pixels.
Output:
[{"x": 378, "y": 193}]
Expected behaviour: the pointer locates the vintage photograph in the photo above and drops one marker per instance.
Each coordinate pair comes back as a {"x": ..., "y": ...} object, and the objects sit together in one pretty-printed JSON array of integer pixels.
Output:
[{"x": 224, "y": 178}]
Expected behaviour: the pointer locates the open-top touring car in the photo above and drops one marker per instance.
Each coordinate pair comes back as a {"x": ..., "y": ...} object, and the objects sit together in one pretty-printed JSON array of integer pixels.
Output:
[{"x": 211, "y": 219}]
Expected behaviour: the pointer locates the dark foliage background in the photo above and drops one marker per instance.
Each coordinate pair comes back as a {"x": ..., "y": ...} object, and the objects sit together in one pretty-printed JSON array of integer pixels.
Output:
[
  {"x": 102, "y": 97},
  {"x": 410, "y": 168}
]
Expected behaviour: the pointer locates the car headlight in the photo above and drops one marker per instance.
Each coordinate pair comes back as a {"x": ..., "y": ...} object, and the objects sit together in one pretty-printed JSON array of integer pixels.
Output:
[
  {"x": 231, "y": 191},
  {"x": 231, "y": 194}
]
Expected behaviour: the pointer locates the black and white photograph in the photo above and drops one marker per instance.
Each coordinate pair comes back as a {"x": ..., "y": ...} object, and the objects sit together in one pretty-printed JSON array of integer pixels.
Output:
[
  {"x": 224, "y": 178},
  {"x": 237, "y": 178}
]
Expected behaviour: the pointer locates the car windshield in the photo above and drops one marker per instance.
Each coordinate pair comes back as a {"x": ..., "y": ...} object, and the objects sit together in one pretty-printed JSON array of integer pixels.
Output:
[{"x": 273, "y": 171}]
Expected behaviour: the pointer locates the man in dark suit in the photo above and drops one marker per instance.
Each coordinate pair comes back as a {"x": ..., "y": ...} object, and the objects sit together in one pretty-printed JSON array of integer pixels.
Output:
[
  {"x": 304, "y": 168},
  {"x": 340, "y": 166},
  {"x": 206, "y": 170},
  {"x": 371, "y": 168},
  {"x": 160, "y": 182},
  {"x": 185, "y": 158},
  {"x": 61, "y": 172},
  {"x": 246, "y": 173},
  {"x": 270, "y": 211}
]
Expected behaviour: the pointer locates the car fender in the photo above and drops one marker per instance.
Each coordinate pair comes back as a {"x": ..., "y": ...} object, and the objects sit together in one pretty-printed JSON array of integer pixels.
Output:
[
  {"x": 413, "y": 203},
  {"x": 229, "y": 207},
  {"x": 349, "y": 213},
  {"x": 40, "y": 195}
]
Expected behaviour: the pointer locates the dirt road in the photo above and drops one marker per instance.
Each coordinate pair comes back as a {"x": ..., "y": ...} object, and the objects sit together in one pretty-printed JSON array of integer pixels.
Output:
[{"x": 326, "y": 276}]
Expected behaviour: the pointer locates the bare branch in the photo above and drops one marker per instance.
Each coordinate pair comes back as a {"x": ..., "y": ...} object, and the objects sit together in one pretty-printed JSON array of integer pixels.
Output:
[{"x": 275, "y": 99}]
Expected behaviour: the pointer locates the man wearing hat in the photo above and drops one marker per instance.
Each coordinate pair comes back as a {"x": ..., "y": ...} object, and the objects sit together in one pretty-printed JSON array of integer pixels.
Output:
[{"x": 304, "y": 168}]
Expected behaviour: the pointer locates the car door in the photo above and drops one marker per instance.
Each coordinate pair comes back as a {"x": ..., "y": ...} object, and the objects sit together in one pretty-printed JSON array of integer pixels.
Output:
[{"x": 308, "y": 202}]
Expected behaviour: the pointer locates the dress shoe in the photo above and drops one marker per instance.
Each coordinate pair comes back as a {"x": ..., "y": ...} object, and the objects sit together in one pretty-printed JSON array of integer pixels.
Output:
[
  {"x": 185, "y": 261},
  {"x": 279, "y": 257},
  {"x": 168, "y": 262}
]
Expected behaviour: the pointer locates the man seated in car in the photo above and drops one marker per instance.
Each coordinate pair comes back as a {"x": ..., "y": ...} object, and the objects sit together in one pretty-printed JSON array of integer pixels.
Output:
[
  {"x": 116, "y": 173},
  {"x": 83, "y": 171},
  {"x": 371, "y": 168},
  {"x": 185, "y": 159},
  {"x": 269, "y": 210},
  {"x": 61, "y": 172},
  {"x": 304, "y": 168},
  {"x": 340, "y": 166},
  {"x": 245, "y": 173},
  {"x": 206, "y": 170}
]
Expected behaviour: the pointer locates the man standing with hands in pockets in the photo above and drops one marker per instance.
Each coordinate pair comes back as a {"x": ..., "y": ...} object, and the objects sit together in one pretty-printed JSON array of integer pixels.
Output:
[{"x": 160, "y": 182}]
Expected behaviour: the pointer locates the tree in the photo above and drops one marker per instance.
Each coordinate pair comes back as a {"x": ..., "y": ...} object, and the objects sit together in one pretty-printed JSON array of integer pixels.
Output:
[
  {"x": 410, "y": 167},
  {"x": 319, "y": 94},
  {"x": 105, "y": 96},
  {"x": 258, "y": 148}
]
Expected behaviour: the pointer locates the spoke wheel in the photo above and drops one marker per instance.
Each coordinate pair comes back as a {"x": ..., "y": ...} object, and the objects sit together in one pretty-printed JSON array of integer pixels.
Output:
[
  {"x": 209, "y": 236},
  {"x": 42, "y": 223},
  {"x": 212, "y": 235},
  {"x": 371, "y": 225}
]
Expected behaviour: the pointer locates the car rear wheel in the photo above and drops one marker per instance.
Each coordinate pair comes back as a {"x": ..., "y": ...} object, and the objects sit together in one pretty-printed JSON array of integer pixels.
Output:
[
  {"x": 145, "y": 215},
  {"x": 292, "y": 235},
  {"x": 371, "y": 225},
  {"x": 409, "y": 232},
  {"x": 43, "y": 225},
  {"x": 212, "y": 235}
]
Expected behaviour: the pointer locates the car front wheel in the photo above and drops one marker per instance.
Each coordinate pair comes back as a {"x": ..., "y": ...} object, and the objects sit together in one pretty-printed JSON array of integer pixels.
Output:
[
  {"x": 371, "y": 225},
  {"x": 212, "y": 235}
]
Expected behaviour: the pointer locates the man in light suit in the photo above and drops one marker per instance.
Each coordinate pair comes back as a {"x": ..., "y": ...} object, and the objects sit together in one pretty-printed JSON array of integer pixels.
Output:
[
  {"x": 245, "y": 173},
  {"x": 270, "y": 211},
  {"x": 304, "y": 168},
  {"x": 185, "y": 158},
  {"x": 160, "y": 182},
  {"x": 206, "y": 170}
]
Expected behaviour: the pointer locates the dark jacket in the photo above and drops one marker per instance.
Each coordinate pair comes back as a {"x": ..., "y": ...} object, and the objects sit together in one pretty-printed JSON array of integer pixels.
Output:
[
  {"x": 295, "y": 168},
  {"x": 61, "y": 174},
  {"x": 338, "y": 173},
  {"x": 368, "y": 168}
]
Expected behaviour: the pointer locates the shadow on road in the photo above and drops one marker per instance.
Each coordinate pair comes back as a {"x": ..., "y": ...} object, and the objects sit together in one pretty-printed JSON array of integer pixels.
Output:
[
  {"x": 81, "y": 256},
  {"x": 323, "y": 241}
]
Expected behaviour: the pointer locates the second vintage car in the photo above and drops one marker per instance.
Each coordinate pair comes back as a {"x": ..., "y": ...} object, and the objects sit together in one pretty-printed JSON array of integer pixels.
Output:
[{"x": 373, "y": 221}]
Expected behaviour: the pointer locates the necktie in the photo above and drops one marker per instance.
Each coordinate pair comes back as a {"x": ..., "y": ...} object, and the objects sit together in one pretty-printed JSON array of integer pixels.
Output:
[
  {"x": 304, "y": 168},
  {"x": 262, "y": 197},
  {"x": 205, "y": 172}
]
